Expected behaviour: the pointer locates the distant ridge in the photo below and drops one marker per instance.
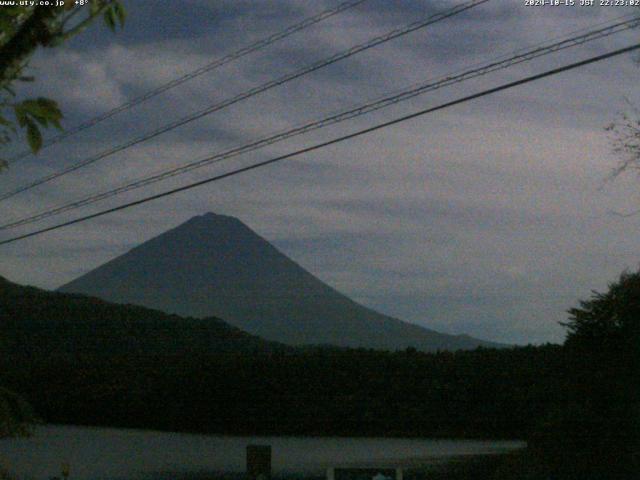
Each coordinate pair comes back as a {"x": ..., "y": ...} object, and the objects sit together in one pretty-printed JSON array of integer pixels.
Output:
[
  {"x": 34, "y": 321},
  {"x": 214, "y": 265}
]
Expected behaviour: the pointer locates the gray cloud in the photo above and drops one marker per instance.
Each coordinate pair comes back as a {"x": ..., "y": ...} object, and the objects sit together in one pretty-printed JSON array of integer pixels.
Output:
[{"x": 487, "y": 219}]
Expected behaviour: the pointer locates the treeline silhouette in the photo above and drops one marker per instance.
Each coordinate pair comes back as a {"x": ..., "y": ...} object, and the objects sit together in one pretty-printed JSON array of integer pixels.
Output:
[
  {"x": 322, "y": 392},
  {"x": 83, "y": 361}
]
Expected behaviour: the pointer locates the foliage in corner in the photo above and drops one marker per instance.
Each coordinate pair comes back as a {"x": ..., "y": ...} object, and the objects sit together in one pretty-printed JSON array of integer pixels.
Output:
[
  {"x": 609, "y": 320},
  {"x": 595, "y": 431},
  {"x": 24, "y": 29}
]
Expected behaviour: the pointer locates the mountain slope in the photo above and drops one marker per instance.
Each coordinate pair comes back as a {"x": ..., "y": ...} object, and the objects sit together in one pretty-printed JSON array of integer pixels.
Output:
[
  {"x": 34, "y": 321},
  {"x": 214, "y": 265}
]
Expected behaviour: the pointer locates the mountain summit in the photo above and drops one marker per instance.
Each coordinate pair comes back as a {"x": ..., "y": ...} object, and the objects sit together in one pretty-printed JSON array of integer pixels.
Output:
[{"x": 214, "y": 265}]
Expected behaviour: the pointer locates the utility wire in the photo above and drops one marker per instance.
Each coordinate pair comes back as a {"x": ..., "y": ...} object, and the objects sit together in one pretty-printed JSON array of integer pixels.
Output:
[
  {"x": 252, "y": 92},
  {"x": 523, "y": 56},
  {"x": 343, "y": 138},
  {"x": 260, "y": 44}
]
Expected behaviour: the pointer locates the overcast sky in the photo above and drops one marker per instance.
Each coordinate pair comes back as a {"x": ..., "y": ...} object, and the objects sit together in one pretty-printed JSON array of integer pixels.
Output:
[{"x": 490, "y": 218}]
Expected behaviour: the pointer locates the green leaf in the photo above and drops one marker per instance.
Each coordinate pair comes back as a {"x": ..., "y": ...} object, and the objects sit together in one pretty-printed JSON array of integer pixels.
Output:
[
  {"x": 40, "y": 109},
  {"x": 21, "y": 115},
  {"x": 50, "y": 107},
  {"x": 34, "y": 108},
  {"x": 120, "y": 12},
  {"x": 95, "y": 6},
  {"x": 34, "y": 137},
  {"x": 110, "y": 19},
  {"x": 56, "y": 123}
]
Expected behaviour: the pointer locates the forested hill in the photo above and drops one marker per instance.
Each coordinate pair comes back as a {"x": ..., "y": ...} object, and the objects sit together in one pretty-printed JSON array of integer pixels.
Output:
[
  {"x": 34, "y": 319},
  {"x": 81, "y": 360},
  {"x": 78, "y": 360}
]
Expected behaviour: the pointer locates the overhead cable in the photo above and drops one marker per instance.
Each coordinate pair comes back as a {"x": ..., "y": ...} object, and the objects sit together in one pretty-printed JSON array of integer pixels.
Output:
[
  {"x": 431, "y": 85},
  {"x": 327, "y": 143},
  {"x": 260, "y": 44},
  {"x": 250, "y": 93}
]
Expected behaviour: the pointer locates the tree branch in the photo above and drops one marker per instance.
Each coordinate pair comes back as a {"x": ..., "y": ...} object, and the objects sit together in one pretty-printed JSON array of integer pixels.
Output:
[{"x": 31, "y": 34}]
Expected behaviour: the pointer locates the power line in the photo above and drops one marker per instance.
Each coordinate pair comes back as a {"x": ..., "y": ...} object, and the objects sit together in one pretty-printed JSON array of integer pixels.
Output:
[
  {"x": 343, "y": 138},
  {"x": 523, "y": 56},
  {"x": 260, "y": 44},
  {"x": 252, "y": 92}
]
